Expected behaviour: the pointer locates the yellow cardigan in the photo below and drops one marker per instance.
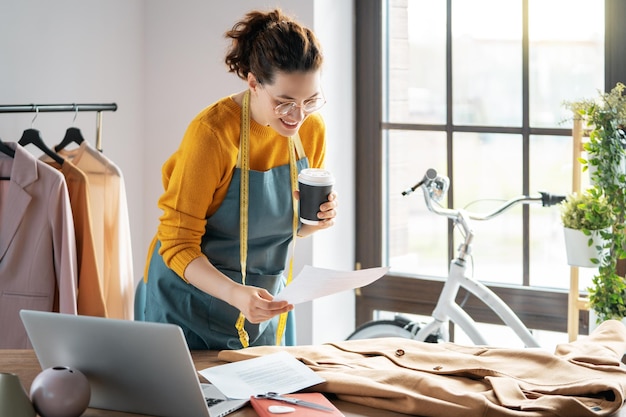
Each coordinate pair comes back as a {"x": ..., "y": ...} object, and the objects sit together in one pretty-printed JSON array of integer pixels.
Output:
[{"x": 196, "y": 177}]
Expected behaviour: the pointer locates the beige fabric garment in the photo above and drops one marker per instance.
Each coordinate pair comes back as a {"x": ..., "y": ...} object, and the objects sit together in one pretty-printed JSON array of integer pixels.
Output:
[
  {"x": 583, "y": 378},
  {"x": 111, "y": 228},
  {"x": 90, "y": 293}
]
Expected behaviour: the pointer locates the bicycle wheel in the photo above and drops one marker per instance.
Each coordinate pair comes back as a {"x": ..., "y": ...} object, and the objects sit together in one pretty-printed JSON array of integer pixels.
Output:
[
  {"x": 400, "y": 326},
  {"x": 380, "y": 328}
]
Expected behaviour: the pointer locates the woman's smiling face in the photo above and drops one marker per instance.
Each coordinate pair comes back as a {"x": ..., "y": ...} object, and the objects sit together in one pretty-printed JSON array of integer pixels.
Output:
[{"x": 285, "y": 104}]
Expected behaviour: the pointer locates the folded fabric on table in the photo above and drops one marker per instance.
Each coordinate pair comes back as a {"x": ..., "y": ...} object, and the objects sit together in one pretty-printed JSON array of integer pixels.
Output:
[{"x": 581, "y": 378}]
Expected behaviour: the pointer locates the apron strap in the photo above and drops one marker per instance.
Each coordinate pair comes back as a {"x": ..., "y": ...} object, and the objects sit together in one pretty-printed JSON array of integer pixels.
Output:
[{"x": 293, "y": 170}]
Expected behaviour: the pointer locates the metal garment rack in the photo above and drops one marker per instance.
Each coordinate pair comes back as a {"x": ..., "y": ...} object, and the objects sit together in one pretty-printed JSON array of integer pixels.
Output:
[{"x": 73, "y": 107}]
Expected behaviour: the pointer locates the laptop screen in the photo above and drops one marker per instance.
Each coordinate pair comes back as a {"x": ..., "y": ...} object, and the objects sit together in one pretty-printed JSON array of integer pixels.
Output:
[{"x": 132, "y": 366}]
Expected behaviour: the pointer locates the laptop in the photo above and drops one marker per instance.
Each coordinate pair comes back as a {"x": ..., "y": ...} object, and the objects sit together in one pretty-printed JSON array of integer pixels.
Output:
[{"x": 132, "y": 366}]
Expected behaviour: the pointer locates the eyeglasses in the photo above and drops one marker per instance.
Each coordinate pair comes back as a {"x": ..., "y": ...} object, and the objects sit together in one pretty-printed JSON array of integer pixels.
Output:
[{"x": 308, "y": 106}]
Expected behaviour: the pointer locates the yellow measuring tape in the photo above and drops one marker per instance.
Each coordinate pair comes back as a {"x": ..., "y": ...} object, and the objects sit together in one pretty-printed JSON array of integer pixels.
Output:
[
  {"x": 244, "y": 156},
  {"x": 243, "y": 208}
]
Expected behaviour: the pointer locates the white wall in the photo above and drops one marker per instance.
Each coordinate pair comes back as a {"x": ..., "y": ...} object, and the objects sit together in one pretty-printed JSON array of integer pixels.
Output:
[
  {"x": 161, "y": 61},
  {"x": 333, "y": 317},
  {"x": 68, "y": 51}
]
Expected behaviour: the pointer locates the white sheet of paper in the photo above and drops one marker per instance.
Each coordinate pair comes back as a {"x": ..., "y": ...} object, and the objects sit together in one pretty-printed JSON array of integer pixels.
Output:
[
  {"x": 278, "y": 372},
  {"x": 312, "y": 283}
]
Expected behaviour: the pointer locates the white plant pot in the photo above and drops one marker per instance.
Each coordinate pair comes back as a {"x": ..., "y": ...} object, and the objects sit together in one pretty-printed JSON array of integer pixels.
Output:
[{"x": 577, "y": 248}]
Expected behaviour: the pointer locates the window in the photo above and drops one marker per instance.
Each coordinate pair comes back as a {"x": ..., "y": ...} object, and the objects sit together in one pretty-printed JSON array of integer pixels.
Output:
[{"x": 477, "y": 96}]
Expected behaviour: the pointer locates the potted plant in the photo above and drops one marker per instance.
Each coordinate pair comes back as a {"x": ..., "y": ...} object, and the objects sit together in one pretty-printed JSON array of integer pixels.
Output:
[
  {"x": 606, "y": 117},
  {"x": 586, "y": 218}
]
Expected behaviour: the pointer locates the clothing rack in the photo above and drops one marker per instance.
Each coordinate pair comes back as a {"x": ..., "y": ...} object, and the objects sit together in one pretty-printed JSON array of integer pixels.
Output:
[{"x": 73, "y": 107}]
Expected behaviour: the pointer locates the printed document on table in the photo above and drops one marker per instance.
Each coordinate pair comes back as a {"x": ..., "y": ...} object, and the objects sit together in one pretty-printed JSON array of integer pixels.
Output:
[
  {"x": 312, "y": 283},
  {"x": 278, "y": 372}
]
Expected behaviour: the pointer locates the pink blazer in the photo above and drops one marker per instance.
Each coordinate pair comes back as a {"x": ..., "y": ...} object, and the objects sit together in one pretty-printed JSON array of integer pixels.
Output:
[{"x": 37, "y": 244}]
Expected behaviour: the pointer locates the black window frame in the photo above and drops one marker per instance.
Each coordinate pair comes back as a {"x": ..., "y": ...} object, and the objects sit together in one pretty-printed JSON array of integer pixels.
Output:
[{"x": 542, "y": 309}]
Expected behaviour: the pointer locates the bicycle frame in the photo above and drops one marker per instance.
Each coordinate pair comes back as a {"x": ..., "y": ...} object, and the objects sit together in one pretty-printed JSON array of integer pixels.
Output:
[{"x": 447, "y": 309}]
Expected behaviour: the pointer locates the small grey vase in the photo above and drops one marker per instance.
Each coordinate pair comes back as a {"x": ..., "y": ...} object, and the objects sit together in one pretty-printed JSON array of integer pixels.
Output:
[
  {"x": 60, "y": 391},
  {"x": 14, "y": 401}
]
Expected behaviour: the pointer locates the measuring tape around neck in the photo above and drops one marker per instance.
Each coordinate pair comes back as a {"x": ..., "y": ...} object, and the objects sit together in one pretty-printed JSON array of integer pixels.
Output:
[{"x": 244, "y": 156}]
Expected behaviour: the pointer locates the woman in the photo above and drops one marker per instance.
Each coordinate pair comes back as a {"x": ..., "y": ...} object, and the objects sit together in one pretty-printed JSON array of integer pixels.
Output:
[{"x": 230, "y": 192}]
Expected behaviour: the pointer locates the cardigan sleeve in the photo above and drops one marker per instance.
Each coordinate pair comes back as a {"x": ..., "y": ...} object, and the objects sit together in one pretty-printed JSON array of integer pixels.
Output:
[{"x": 190, "y": 178}]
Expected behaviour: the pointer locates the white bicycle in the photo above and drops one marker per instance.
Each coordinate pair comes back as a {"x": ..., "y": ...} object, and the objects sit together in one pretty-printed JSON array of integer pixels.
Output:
[{"x": 447, "y": 309}]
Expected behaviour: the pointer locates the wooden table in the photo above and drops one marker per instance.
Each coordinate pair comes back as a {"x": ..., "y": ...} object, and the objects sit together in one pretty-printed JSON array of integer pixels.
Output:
[{"x": 24, "y": 364}]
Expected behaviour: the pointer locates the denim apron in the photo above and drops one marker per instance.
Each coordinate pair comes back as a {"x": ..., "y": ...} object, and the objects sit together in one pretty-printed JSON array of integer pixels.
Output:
[{"x": 208, "y": 322}]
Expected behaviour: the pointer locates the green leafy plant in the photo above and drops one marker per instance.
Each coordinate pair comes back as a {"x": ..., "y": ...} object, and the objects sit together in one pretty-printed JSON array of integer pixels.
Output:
[
  {"x": 588, "y": 211},
  {"x": 606, "y": 117}
]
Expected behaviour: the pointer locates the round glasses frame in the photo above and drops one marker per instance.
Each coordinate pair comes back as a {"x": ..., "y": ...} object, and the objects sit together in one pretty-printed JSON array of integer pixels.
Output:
[{"x": 308, "y": 106}]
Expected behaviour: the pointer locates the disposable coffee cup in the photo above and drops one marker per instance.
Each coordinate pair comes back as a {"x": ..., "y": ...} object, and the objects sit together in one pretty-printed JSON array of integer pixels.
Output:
[{"x": 315, "y": 185}]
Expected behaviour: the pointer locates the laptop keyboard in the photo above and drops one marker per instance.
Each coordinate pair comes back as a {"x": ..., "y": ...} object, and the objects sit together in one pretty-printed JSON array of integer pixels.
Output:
[{"x": 212, "y": 401}]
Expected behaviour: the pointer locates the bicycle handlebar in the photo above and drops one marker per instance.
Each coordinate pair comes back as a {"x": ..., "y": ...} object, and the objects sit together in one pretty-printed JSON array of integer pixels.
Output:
[
  {"x": 551, "y": 199},
  {"x": 435, "y": 186},
  {"x": 430, "y": 175}
]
